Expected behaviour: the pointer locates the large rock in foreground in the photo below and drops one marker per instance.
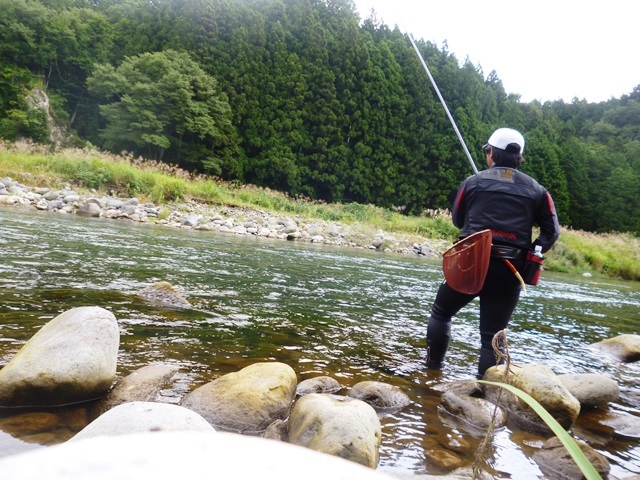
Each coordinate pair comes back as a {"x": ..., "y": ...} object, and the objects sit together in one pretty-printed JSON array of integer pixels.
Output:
[
  {"x": 341, "y": 426},
  {"x": 139, "y": 417},
  {"x": 247, "y": 401},
  {"x": 71, "y": 359},
  {"x": 542, "y": 384},
  {"x": 187, "y": 455}
]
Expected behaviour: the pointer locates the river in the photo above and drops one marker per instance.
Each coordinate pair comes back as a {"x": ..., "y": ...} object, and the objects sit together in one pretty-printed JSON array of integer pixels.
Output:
[{"x": 352, "y": 314}]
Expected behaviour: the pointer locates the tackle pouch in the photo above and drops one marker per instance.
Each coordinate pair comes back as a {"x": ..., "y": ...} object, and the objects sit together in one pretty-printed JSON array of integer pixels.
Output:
[{"x": 532, "y": 268}]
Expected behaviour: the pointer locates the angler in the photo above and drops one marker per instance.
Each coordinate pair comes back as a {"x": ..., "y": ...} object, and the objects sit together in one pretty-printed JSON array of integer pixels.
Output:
[{"x": 496, "y": 210}]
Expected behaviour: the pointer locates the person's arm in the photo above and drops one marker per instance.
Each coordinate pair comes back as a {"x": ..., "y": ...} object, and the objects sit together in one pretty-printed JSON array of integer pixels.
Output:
[
  {"x": 459, "y": 206},
  {"x": 548, "y": 223}
]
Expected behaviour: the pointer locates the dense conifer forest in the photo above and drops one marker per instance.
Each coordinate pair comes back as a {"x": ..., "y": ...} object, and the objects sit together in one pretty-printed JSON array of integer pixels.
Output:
[{"x": 302, "y": 96}]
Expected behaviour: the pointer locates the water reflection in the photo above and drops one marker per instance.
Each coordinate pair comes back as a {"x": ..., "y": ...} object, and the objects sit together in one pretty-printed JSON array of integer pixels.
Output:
[{"x": 353, "y": 315}]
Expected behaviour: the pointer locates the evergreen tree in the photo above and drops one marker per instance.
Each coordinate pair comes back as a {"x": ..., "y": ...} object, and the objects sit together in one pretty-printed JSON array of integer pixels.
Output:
[{"x": 164, "y": 102}]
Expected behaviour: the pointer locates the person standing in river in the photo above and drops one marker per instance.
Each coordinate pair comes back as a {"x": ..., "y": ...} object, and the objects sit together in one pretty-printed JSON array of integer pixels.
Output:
[{"x": 509, "y": 203}]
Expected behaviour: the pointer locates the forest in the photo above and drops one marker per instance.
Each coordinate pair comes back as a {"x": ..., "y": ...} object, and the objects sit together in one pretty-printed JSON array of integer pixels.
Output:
[{"x": 301, "y": 96}]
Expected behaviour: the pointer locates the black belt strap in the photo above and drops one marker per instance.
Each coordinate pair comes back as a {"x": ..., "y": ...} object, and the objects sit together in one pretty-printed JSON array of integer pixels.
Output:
[{"x": 503, "y": 251}]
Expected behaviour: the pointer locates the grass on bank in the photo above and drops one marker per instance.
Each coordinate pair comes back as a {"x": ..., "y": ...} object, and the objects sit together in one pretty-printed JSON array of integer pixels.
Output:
[{"x": 612, "y": 255}]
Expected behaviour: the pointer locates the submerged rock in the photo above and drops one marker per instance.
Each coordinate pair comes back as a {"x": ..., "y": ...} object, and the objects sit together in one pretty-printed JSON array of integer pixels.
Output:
[
  {"x": 71, "y": 359},
  {"x": 163, "y": 293},
  {"x": 341, "y": 426},
  {"x": 246, "y": 401},
  {"x": 556, "y": 463}
]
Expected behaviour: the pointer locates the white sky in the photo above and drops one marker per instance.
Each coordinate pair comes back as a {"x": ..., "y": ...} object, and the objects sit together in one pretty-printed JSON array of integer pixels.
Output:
[{"x": 553, "y": 50}]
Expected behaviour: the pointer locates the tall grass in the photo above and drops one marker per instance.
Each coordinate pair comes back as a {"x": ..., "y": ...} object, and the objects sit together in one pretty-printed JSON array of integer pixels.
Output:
[
  {"x": 614, "y": 255},
  {"x": 611, "y": 255}
]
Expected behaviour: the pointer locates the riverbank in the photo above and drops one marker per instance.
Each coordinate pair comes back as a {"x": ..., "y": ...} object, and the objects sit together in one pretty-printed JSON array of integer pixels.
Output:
[
  {"x": 176, "y": 195},
  {"x": 219, "y": 219}
]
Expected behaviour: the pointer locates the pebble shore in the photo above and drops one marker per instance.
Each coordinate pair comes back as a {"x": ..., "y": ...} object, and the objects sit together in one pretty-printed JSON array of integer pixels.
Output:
[{"x": 218, "y": 219}]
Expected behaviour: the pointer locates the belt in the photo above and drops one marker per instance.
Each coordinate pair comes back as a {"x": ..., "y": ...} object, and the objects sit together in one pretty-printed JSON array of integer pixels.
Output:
[{"x": 509, "y": 253}]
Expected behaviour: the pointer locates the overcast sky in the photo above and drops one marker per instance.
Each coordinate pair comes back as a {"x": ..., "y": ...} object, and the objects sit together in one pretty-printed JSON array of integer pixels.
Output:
[{"x": 542, "y": 49}]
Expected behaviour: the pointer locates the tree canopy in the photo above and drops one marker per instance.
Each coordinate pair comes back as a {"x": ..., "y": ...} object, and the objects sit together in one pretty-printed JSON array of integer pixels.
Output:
[{"x": 305, "y": 97}]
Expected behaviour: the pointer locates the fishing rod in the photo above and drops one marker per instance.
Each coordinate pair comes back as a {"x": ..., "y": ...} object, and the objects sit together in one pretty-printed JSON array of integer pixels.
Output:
[
  {"x": 464, "y": 145},
  {"x": 446, "y": 109}
]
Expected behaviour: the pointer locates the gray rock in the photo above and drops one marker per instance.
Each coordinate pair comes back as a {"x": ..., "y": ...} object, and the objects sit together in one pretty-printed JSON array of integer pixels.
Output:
[
  {"x": 55, "y": 205},
  {"x": 341, "y": 426},
  {"x": 627, "y": 426},
  {"x": 543, "y": 385},
  {"x": 136, "y": 417},
  {"x": 163, "y": 293},
  {"x": 380, "y": 395},
  {"x": 71, "y": 359},
  {"x": 114, "y": 203},
  {"x": 9, "y": 199},
  {"x": 246, "y": 401},
  {"x": 557, "y": 464},
  {"x": 89, "y": 209},
  {"x": 591, "y": 389},
  {"x": 190, "y": 220},
  {"x": 323, "y": 384},
  {"x": 52, "y": 195},
  {"x": 278, "y": 430},
  {"x": 477, "y": 412},
  {"x": 71, "y": 198},
  {"x": 142, "y": 385},
  {"x": 625, "y": 348},
  {"x": 129, "y": 209}
]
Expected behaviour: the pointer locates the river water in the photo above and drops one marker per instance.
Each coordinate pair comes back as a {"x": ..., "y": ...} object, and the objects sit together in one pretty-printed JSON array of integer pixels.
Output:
[{"x": 352, "y": 314}]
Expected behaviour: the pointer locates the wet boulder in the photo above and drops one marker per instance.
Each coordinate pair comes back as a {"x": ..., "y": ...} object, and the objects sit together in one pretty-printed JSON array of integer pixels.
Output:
[
  {"x": 71, "y": 359},
  {"x": 380, "y": 395},
  {"x": 625, "y": 348},
  {"x": 591, "y": 389},
  {"x": 247, "y": 401},
  {"x": 543, "y": 385},
  {"x": 321, "y": 384},
  {"x": 557, "y": 464},
  {"x": 163, "y": 293},
  {"x": 142, "y": 385},
  {"x": 138, "y": 417},
  {"x": 476, "y": 412},
  {"x": 341, "y": 426}
]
